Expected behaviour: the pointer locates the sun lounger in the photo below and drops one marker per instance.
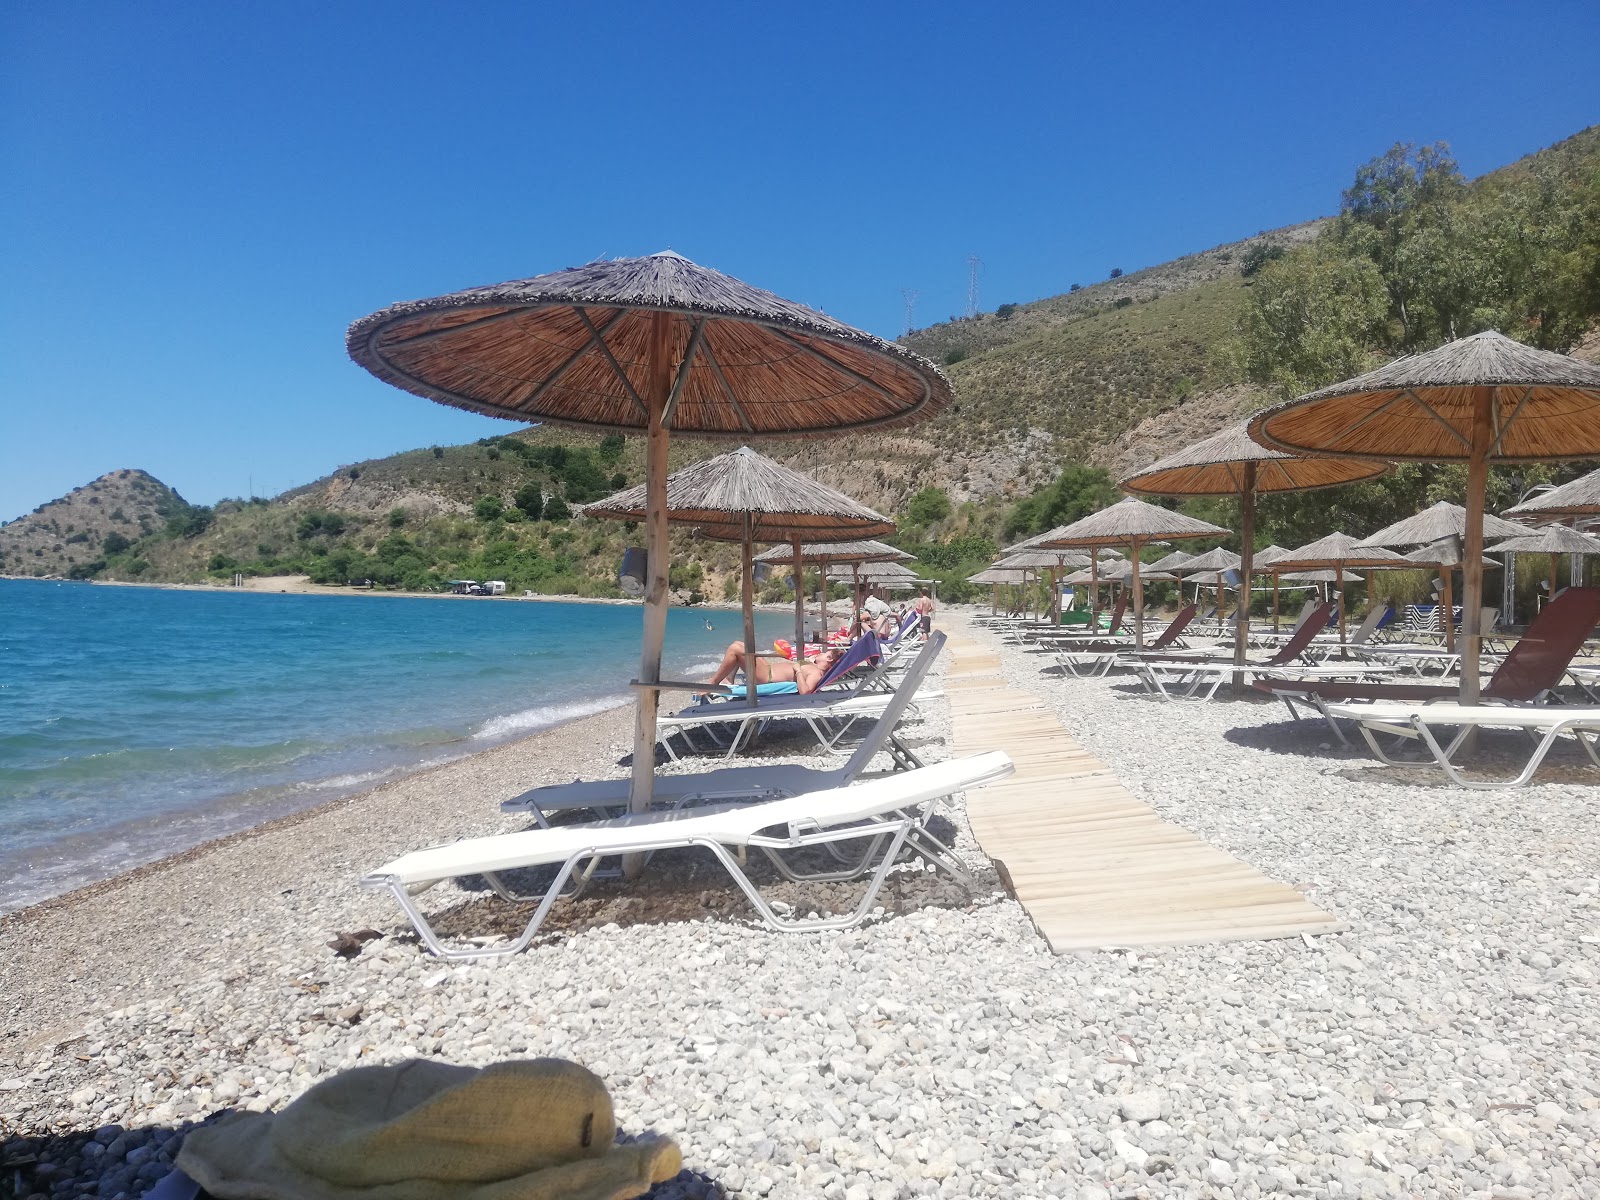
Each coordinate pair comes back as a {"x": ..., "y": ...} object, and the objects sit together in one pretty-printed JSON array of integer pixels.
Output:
[
  {"x": 827, "y": 714},
  {"x": 1098, "y": 658},
  {"x": 885, "y": 814},
  {"x": 1200, "y": 677},
  {"x": 1418, "y": 722},
  {"x": 1527, "y": 675},
  {"x": 609, "y": 797}
]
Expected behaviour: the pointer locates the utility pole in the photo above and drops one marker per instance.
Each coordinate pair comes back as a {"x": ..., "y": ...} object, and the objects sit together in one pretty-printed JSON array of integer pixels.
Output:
[
  {"x": 909, "y": 295},
  {"x": 974, "y": 265}
]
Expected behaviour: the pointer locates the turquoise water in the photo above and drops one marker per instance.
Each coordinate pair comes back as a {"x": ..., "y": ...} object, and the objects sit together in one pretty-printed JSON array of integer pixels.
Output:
[{"x": 137, "y": 721}]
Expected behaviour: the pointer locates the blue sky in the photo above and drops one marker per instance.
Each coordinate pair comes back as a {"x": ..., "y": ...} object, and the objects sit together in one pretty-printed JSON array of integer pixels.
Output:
[{"x": 196, "y": 199}]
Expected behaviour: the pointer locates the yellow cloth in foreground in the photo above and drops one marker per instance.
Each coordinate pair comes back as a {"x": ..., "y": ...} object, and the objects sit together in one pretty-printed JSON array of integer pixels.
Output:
[{"x": 538, "y": 1129}]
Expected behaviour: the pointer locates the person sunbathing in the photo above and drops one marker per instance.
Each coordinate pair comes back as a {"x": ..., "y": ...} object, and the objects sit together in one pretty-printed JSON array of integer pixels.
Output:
[{"x": 805, "y": 676}]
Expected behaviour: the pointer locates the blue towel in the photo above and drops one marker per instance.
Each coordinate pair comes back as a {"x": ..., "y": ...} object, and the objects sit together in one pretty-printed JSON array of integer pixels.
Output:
[{"x": 788, "y": 688}]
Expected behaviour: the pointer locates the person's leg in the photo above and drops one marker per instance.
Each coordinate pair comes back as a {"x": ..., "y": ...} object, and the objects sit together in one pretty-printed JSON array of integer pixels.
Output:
[{"x": 732, "y": 661}]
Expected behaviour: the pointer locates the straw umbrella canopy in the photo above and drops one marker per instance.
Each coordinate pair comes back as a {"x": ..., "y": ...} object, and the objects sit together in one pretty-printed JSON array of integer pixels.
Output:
[
  {"x": 1579, "y": 498},
  {"x": 1134, "y": 524},
  {"x": 1481, "y": 399},
  {"x": 1173, "y": 562},
  {"x": 658, "y": 345},
  {"x": 1338, "y": 552},
  {"x": 1264, "y": 562},
  {"x": 826, "y": 554},
  {"x": 1039, "y": 561},
  {"x": 1439, "y": 523},
  {"x": 1230, "y": 463},
  {"x": 1554, "y": 540},
  {"x": 1212, "y": 560},
  {"x": 745, "y": 497}
]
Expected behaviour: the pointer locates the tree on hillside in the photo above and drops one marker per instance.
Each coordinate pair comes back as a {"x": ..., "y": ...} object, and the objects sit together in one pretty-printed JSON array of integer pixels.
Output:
[
  {"x": 555, "y": 509},
  {"x": 530, "y": 499},
  {"x": 929, "y": 505},
  {"x": 1076, "y": 492}
]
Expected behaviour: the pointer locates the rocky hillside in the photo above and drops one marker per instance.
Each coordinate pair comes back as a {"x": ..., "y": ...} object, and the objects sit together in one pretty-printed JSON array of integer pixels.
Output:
[{"x": 106, "y": 516}]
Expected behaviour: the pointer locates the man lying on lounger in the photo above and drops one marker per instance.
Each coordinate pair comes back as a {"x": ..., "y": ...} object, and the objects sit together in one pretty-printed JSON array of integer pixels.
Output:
[{"x": 805, "y": 676}]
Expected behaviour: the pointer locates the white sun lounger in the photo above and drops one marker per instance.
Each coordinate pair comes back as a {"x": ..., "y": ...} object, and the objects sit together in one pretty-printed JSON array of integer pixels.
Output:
[
  {"x": 885, "y": 810},
  {"x": 1201, "y": 680},
  {"x": 1418, "y": 722},
  {"x": 827, "y": 714},
  {"x": 609, "y": 797}
]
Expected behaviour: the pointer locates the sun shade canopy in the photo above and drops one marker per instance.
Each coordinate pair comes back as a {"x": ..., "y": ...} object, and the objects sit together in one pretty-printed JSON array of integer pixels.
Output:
[
  {"x": 1553, "y": 539},
  {"x": 716, "y": 494},
  {"x": 836, "y": 552},
  {"x": 1212, "y": 560},
  {"x": 1128, "y": 520},
  {"x": 1543, "y": 406},
  {"x": 1436, "y": 523},
  {"x": 1579, "y": 498},
  {"x": 1215, "y": 466},
  {"x": 573, "y": 347},
  {"x": 1338, "y": 550}
]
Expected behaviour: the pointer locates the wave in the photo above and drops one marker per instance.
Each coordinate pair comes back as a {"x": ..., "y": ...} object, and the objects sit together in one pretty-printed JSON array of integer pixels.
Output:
[{"x": 544, "y": 716}]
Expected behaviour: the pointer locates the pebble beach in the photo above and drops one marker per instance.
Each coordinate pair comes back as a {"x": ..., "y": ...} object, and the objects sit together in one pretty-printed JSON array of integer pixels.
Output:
[{"x": 1447, "y": 1045}]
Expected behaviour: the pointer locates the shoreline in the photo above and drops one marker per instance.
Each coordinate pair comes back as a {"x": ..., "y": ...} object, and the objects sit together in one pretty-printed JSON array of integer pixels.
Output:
[
  {"x": 286, "y": 820},
  {"x": 311, "y": 856},
  {"x": 302, "y": 588}
]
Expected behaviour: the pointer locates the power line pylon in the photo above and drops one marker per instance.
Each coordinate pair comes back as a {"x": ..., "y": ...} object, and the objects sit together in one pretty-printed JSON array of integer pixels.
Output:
[
  {"x": 974, "y": 265},
  {"x": 909, "y": 295}
]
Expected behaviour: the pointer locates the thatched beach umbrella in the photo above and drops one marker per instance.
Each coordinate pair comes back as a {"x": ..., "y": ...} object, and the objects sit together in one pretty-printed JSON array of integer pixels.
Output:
[
  {"x": 1554, "y": 540},
  {"x": 1479, "y": 400},
  {"x": 1134, "y": 524},
  {"x": 747, "y": 498},
  {"x": 657, "y": 345},
  {"x": 1174, "y": 562},
  {"x": 1435, "y": 525},
  {"x": 995, "y": 578},
  {"x": 1264, "y": 562},
  {"x": 825, "y": 554},
  {"x": 1579, "y": 498},
  {"x": 1042, "y": 561},
  {"x": 1231, "y": 463},
  {"x": 1338, "y": 552}
]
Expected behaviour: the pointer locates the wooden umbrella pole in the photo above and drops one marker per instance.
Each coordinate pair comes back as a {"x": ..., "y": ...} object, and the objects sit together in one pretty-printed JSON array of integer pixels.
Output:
[
  {"x": 1138, "y": 596},
  {"x": 1275, "y": 578},
  {"x": 747, "y": 601},
  {"x": 994, "y": 599},
  {"x": 1472, "y": 566},
  {"x": 1094, "y": 590},
  {"x": 1247, "y": 543},
  {"x": 658, "y": 385},
  {"x": 799, "y": 605},
  {"x": 1447, "y": 574},
  {"x": 855, "y": 593},
  {"x": 1555, "y": 562},
  {"x": 1338, "y": 584}
]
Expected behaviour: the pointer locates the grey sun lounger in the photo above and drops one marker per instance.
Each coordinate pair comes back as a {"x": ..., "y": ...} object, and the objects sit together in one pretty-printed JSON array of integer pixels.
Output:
[
  {"x": 883, "y": 815},
  {"x": 609, "y": 797},
  {"x": 827, "y": 714}
]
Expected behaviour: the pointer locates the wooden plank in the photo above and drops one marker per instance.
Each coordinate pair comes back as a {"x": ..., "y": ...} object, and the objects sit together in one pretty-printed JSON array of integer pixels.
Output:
[{"x": 1093, "y": 865}]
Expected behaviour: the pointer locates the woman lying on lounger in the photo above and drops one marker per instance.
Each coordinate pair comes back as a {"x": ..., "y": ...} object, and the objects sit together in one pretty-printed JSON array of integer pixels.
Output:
[{"x": 805, "y": 676}]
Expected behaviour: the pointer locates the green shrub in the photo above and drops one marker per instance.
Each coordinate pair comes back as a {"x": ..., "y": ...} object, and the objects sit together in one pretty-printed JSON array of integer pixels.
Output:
[
  {"x": 954, "y": 355},
  {"x": 530, "y": 501},
  {"x": 1005, "y": 311},
  {"x": 397, "y": 518},
  {"x": 488, "y": 508},
  {"x": 610, "y": 448},
  {"x": 929, "y": 505},
  {"x": 555, "y": 509},
  {"x": 115, "y": 543}
]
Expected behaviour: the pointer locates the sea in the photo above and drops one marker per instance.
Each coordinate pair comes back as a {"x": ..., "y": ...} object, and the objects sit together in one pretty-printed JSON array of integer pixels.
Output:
[{"x": 136, "y": 722}]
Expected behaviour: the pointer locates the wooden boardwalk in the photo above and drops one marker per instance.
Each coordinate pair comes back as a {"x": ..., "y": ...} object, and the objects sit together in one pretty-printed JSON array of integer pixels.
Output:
[{"x": 1094, "y": 866}]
